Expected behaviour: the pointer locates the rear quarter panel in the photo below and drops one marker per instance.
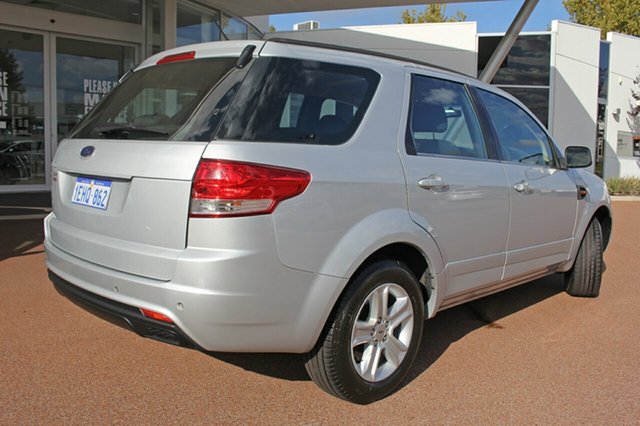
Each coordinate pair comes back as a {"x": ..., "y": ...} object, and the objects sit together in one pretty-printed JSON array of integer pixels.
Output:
[{"x": 351, "y": 183}]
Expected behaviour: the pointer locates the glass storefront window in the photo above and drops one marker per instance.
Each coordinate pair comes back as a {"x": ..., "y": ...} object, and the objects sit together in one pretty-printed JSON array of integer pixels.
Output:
[
  {"x": 536, "y": 99},
  {"x": 196, "y": 25},
  {"x": 200, "y": 24},
  {"x": 22, "y": 143},
  {"x": 234, "y": 28},
  {"x": 527, "y": 63},
  {"x": 117, "y": 10},
  {"x": 85, "y": 72}
]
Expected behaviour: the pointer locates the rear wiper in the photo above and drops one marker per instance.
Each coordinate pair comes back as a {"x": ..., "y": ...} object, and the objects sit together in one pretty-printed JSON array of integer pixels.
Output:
[
  {"x": 245, "y": 56},
  {"x": 126, "y": 131}
]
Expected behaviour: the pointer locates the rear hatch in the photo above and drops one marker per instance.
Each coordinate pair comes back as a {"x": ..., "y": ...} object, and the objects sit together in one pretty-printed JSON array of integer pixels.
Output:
[{"x": 122, "y": 181}]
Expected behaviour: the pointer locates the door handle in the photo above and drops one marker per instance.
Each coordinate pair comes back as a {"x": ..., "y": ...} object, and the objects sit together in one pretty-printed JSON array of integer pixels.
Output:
[
  {"x": 433, "y": 183},
  {"x": 523, "y": 187}
]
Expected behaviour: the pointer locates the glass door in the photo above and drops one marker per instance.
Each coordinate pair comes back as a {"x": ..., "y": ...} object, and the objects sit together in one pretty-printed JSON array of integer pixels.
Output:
[
  {"x": 85, "y": 72},
  {"x": 23, "y": 140},
  {"x": 46, "y": 79}
]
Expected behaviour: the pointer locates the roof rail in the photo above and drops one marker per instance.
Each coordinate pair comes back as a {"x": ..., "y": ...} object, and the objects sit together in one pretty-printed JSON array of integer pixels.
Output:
[{"x": 361, "y": 51}]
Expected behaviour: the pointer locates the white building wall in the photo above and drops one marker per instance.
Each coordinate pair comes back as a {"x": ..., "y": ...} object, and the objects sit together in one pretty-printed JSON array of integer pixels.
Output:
[
  {"x": 451, "y": 45},
  {"x": 624, "y": 66},
  {"x": 573, "y": 106}
]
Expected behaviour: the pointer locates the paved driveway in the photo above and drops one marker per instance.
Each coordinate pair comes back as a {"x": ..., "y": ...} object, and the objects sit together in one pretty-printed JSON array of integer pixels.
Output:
[{"x": 529, "y": 355}]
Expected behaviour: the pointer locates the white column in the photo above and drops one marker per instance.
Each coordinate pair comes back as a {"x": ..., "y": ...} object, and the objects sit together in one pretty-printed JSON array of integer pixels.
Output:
[{"x": 170, "y": 23}]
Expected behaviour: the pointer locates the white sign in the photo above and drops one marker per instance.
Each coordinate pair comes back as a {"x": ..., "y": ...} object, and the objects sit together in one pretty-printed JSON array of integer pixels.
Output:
[
  {"x": 94, "y": 90},
  {"x": 625, "y": 144}
]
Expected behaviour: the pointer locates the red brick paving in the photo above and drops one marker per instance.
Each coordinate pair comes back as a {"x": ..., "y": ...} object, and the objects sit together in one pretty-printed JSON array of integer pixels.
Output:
[{"x": 546, "y": 358}]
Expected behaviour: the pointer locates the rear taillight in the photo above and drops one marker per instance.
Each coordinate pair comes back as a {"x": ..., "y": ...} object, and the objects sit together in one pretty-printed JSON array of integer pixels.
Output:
[{"x": 224, "y": 188}]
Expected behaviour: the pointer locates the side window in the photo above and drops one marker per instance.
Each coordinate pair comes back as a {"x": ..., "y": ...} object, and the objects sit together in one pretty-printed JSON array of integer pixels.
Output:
[
  {"x": 521, "y": 139},
  {"x": 299, "y": 101},
  {"x": 442, "y": 120},
  {"x": 329, "y": 107}
]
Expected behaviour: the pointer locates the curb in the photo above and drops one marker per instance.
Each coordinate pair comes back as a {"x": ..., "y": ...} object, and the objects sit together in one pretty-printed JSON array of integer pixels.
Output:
[
  {"x": 625, "y": 198},
  {"x": 23, "y": 217}
]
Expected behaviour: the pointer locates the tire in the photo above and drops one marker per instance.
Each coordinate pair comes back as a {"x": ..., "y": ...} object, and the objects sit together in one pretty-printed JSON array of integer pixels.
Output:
[
  {"x": 583, "y": 280},
  {"x": 373, "y": 337}
]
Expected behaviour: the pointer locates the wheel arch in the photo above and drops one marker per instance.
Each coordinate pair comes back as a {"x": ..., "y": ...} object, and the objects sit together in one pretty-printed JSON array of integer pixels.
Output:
[
  {"x": 406, "y": 253},
  {"x": 388, "y": 234}
]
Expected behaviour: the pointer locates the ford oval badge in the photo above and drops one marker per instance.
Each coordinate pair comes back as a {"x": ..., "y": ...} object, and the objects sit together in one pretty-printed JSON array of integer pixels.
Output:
[{"x": 87, "y": 151}]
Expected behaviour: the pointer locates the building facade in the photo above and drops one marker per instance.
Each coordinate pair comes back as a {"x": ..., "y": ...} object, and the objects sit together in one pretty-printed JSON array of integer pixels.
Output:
[{"x": 59, "y": 58}]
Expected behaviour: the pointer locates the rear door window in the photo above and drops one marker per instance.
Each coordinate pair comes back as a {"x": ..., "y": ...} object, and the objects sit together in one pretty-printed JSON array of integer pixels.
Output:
[
  {"x": 442, "y": 120},
  {"x": 299, "y": 101}
]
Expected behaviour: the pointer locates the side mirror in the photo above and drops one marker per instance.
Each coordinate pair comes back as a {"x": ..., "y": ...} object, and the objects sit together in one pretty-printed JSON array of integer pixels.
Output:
[{"x": 578, "y": 157}]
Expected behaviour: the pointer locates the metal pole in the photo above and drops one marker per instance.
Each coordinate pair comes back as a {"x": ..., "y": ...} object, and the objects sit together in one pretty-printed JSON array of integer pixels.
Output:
[{"x": 507, "y": 41}]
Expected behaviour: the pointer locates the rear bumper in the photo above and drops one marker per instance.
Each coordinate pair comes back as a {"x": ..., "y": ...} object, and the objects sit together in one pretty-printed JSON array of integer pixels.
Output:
[
  {"x": 122, "y": 315},
  {"x": 218, "y": 300}
]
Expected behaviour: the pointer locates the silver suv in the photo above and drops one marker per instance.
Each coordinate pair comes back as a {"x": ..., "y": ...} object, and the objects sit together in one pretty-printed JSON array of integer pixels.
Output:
[{"x": 278, "y": 197}]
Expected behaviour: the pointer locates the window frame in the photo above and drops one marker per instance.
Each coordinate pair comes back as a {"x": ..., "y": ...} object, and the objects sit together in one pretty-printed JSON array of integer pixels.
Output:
[
  {"x": 409, "y": 140},
  {"x": 487, "y": 123}
]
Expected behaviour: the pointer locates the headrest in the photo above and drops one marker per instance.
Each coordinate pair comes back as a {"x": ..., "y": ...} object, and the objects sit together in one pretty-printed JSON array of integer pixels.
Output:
[{"x": 429, "y": 118}]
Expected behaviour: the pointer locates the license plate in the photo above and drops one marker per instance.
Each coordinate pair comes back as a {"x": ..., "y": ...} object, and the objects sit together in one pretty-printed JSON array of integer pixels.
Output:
[{"x": 92, "y": 192}]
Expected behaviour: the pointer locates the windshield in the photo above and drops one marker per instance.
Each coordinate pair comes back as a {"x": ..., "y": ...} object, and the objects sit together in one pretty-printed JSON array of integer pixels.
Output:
[{"x": 155, "y": 102}]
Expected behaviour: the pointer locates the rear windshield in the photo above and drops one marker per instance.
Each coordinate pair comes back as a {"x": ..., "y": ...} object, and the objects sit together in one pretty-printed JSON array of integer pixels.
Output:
[
  {"x": 272, "y": 100},
  {"x": 155, "y": 102},
  {"x": 299, "y": 101}
]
